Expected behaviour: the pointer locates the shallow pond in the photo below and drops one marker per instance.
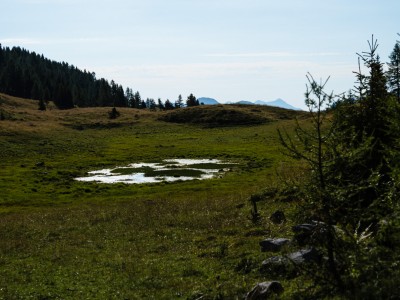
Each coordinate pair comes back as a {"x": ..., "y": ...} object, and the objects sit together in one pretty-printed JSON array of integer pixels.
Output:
[{"x": 168, "y": 170}]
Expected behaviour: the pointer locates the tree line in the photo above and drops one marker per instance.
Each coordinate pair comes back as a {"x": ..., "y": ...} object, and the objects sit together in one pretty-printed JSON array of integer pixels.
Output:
[{"x": 30, "y": 75}]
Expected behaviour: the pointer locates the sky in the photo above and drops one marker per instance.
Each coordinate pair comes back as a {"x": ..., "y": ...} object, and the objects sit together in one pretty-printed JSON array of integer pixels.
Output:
[{"x": 230, "y": 50}]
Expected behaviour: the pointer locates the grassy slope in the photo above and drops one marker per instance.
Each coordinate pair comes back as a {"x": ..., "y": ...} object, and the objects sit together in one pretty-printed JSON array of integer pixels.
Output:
[{"x": 66, "y": 239}]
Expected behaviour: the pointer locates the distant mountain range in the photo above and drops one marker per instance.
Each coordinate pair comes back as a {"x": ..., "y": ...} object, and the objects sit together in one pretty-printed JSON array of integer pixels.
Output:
[
  {"x": 207, "y": 101},
  {"x": 277, "y": 103}
]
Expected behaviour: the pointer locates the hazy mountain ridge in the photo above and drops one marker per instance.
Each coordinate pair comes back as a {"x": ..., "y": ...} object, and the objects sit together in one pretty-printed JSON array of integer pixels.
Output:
[
  {"x": 276, "y": 103},
  {"x": 207, "y": 101}
]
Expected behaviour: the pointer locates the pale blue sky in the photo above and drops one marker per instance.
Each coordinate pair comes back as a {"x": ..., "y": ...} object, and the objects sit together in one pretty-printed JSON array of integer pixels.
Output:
[{"x": 230, "y": 50}]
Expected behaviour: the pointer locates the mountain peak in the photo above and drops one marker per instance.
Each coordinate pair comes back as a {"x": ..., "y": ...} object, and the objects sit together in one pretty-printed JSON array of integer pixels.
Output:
[
  {"x": 278, "y": 103},
  {"x": 207, "y": 101}
]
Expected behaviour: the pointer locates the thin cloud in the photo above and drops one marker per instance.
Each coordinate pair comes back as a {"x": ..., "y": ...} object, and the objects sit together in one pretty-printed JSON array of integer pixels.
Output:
[
  {"x": 20, "y": 41},
  {"x": 50, "y": 41},
  {"x": 273, "y": 54},
  {"x": 236, "y": 69}
]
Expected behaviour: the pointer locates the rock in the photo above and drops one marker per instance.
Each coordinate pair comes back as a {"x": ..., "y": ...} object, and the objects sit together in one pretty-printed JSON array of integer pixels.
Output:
[
  {"x": 40, "y": 164},
  {"x": 303, "y": 233},
  {"x": 286, "y": 266},
  {"x": 303, "y": 227},
  {"x": 273, "y": 245},
  {"x": 305, "y": 256},
  {"x": 278, "y": 266},
  {"x": 309, "y": 233},
  {"x": 278, "y": 217},
  {"x": 264, "y": 289}
]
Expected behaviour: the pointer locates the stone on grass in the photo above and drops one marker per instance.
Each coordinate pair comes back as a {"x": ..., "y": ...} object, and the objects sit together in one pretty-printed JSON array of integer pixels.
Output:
[
  {"x": 287, "y": 266},
  {"x": 309, "y": 233},
  {"x": 273, "y": 245},
  {"x": 304, "y": 227},
  {"x": 264, "y": 289},
  {"x": 278, "y": 217},
  {"x": 305, "y": 256}
]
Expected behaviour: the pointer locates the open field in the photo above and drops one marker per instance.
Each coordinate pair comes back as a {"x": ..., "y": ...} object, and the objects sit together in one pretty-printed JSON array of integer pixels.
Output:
[{"x": 65, "y": 239}]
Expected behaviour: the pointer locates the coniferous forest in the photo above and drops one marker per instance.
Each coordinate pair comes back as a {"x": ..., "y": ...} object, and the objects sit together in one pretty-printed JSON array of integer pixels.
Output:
[{"x": 30, "y": 75}]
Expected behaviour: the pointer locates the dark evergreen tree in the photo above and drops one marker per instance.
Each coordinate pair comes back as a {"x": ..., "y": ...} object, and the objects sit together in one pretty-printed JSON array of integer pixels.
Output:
[
  {"x": 150, "y": 104},
  {"x": 113, "y": 114},
  {"x": 130, "y": 97},
  {"x": 317, "y": 148},
  {"x": 179, "y": 102},
  {"x": 367, "y": 130},
  {"x": 137, "y": 101},
  {"x": 160, "y": 104},
  {"x": 393, "y": 73},
  {"x": 168, "y": 105},
  {"x": 192, "y": 101},
  {"x": 42, "y": 105},
  {"x": 63, "y": 97}
]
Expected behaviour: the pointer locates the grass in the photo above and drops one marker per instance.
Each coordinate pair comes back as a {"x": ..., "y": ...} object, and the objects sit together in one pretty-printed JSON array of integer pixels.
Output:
[
  {"x": 127, "y": 171},
  {"x": 175, "y": 173},
  {"x": 65, "y": 239}
]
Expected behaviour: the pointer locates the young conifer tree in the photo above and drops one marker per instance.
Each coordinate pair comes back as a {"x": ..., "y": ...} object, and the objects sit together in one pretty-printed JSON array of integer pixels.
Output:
[{"x": 316, "y": 147}]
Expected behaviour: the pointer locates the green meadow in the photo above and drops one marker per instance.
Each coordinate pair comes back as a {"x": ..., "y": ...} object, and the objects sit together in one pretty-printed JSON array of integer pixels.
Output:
[{"x": 65, "y": 239}]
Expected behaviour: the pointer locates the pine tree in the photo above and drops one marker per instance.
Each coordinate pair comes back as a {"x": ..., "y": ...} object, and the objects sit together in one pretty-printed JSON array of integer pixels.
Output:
[
  {"x": 137, "y": 101},
  {"x": 160, "y": 104},
  {"x": 366, "y": 132},
  {"x": 129, "y": 97},
  {"x": 42, "y": 105},
  {"x": 393, "y": 73},
  {"x": 150, "y": 104},
  {"x": 317, "y": 149},
  {"x": 168, "y": 105},
  {"x": 179, "y": 102},
  {"x": 192, "y": 101}
]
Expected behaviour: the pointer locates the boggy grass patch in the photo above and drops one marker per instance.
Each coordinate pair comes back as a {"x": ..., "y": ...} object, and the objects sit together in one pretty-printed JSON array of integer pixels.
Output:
[
  {"x": 127, "y": 171},
  {"x": 165, "y": 170},
  {"x": 175, "y": 173},
  {"x": 211, "y": 166}
]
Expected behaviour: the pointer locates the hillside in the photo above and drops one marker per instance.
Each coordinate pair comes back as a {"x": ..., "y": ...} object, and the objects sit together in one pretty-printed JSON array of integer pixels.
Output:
[
  {"x": 229, "y": 115},
  {"x": 23, "y": 114}
]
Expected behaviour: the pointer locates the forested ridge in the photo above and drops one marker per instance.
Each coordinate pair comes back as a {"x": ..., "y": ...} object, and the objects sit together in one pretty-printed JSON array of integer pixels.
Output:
[{"x": 30, "y": 75}]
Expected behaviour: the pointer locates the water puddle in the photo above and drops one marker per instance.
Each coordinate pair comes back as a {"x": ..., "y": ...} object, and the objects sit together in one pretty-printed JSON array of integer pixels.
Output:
[{"x": 168, "y": 170}]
